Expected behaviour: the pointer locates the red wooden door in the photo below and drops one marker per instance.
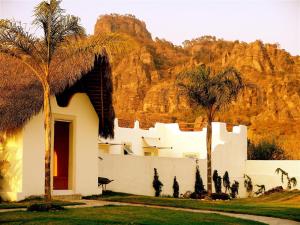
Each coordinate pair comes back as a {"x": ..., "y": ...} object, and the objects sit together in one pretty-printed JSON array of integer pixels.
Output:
[{"x": 61, "y": 155}]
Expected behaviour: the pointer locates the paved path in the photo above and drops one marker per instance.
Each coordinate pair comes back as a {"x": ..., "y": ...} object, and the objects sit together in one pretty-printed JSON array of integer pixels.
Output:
[{"x": 97, "y": 203}]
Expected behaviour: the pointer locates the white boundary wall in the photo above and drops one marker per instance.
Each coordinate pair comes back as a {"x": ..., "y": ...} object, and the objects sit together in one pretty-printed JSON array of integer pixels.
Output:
[
  {"x": 263, "y": 172},
  {"x": 134, "y": 173}
]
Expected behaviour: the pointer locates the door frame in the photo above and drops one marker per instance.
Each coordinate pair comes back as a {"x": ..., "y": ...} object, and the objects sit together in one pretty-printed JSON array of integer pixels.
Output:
[{"x": 72, "y": 156}]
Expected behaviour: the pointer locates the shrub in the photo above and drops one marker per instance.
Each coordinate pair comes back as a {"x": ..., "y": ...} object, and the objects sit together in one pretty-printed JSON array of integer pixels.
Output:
[
  {"x": 261, "y": 189},
  {"x": 199, "y": 187},
  {"x": 157, "y": 185},
  {"x": 44, "y": 207},
  {"x": 265, "y": 150},
  {"x": 234, "y": 189},
  {"x": 290, "y": 180},
  {"x": 220, "y": 196},
  {"x": 226, "y": 182},
  {"x": 217, "y": 182},
  {"x": 175, "y": 188},
  {"x": 248, "y": 184}
]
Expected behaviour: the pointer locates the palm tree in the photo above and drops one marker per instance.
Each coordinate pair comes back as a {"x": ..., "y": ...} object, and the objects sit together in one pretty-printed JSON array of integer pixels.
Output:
[
  {"x": 212, "y": 92},
  {"x": 62, "y": 38}
]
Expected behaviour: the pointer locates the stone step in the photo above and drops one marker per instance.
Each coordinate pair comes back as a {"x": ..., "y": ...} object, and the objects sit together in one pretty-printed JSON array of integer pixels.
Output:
[{"x": 67, "y": 197}]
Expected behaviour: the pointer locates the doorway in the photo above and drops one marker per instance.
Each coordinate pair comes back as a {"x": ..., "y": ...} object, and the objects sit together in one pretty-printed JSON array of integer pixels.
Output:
[{"x": 61, "y": 159}]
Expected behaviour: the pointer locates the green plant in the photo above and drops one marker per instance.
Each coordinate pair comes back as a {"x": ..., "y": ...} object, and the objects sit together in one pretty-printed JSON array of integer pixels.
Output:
[
  {"x": 157, "y": 185},
  {"x": 212, "y": 92},
  {"x": 248, "y": 184},
  {"x": 265, "y": 150},
  {"x": 261, "y": 189},
  {"x": 220, "y": 196},
  {"x": 234, "y": 189},
  {"x": 44, "y": 207},
  {"x": 175, "y": 188},
  {"x": 199, "y": 187},
  {"x": 217, "y": 182},
  {"x": 226, "y": 182},
  {"x": 290, "y": 180}
]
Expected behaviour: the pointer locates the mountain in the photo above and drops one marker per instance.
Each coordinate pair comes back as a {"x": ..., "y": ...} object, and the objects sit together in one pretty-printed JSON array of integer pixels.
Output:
[{"x": 145, "y": 82}]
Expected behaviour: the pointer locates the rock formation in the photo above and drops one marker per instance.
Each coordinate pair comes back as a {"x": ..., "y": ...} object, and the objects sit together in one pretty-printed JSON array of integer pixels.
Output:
[{"x": 145, "y": 82}]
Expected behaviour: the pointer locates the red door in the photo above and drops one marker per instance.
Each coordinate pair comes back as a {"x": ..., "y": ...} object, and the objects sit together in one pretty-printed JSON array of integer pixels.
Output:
[{"x": 61, "y": 155}]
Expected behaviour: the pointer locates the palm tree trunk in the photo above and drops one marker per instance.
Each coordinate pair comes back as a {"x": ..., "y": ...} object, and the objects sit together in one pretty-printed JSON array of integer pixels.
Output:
[
  {"x": 47, "y": 126},
  {"x": 208, "y": 146}
]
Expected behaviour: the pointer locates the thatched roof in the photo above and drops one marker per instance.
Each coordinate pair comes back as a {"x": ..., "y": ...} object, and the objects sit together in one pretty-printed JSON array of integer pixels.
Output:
[{"x": 21, "y": 94}]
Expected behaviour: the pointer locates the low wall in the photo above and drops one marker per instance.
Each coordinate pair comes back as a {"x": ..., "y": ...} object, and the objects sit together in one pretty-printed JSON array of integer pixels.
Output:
[
  {"x": 134, "y": 174},
  {"x": 263, "y": 172}
]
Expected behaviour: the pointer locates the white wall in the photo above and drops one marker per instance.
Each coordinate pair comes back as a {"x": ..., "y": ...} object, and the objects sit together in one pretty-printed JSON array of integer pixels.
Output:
[
  {"x": 263, "y": 172},
  {"x": 85, "y": 147},
  {"x": 134, "y": 174},
  {"x": 181, "y": 141}
]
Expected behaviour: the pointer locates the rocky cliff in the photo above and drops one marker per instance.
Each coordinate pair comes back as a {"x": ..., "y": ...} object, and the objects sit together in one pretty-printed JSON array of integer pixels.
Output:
[{"x": 144, "y": 82}]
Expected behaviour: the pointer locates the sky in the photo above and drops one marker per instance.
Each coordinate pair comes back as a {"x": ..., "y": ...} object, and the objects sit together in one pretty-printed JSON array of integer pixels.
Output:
[{"x": 272, "y": 21}]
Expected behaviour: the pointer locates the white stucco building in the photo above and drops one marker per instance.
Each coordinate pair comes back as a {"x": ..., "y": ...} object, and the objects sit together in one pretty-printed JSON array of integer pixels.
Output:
[
  {"x": 76, "y": 126},
  {"x": 167, "y": 140}
]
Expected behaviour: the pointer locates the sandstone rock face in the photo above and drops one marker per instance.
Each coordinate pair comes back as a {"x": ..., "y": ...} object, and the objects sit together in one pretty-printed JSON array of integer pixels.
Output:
[{"x": 145, "y": 82}]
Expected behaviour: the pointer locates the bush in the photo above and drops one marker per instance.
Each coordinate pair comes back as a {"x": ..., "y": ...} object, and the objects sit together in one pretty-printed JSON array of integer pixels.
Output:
[
  {"x": 220, "y": 196},
  {"x": 199, "y": 187},
  {"x": 234, "y": 189},
  {"x": 265, "y": 151},
  {"x": 226, "y": 182},
  {"x": 175, "y": 188},
  {"x": 194, "y": 195},
  {"x": 157, "y": 185},
  {"x": 248, "y": 184},
  {"x": 44, "y": 207},
  {"x": 217, "y": 182}
]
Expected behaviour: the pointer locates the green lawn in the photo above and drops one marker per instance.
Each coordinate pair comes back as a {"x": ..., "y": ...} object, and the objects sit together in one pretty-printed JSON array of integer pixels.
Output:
[
  {"x": 282, "y": 205},
  {"x": 118, "y": 215}
]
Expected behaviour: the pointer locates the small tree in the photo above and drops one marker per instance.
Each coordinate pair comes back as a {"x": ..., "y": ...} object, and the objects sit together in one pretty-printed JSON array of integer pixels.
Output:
[
  {"x": 234, "y": 189},
  {"x": 217, "y": 182},
  {"x": 157, "y": 184},
  {"x": 199, "y": 187},
  {"x": 248, "y": 184},
  {"x": 290, "y": 180},
  {"x": 226, "y": 182},
  {"x": 175, "y": 188}
]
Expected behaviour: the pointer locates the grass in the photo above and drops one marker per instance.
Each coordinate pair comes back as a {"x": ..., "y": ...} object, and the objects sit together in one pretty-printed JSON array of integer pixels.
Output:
[
  {"x": 282, "y": 205},
  {"x": 118, "y": 215}
]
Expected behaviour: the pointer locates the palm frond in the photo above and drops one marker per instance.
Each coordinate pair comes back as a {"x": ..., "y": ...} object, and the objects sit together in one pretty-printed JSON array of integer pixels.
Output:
[
  {"x": 210, "y": 91},
  {"x": 15, "y": 40},
  {"x": 57, "y": 27}
]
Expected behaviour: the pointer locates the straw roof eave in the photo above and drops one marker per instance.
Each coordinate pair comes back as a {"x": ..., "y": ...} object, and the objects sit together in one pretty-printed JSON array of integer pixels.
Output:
[{"x": 21, "y": 92}]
